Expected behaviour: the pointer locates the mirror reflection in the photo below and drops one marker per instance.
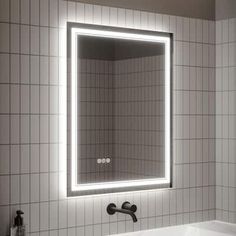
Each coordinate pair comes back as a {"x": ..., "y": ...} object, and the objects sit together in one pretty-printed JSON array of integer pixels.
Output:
[{"x": 121, "y": 103}]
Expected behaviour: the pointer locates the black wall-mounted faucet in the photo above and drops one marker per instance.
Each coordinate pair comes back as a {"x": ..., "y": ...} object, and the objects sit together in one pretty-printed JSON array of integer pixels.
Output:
[{"x": 126, "y": 208}]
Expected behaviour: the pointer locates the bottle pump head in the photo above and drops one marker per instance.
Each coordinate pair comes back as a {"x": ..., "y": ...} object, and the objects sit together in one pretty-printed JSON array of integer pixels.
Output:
[{"x": 19, "y": 218}]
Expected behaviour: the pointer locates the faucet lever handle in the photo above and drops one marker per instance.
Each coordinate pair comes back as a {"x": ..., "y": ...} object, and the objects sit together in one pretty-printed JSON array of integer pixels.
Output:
[
  {"x": 129, "y": 206},
  {"x": 111, "y": 209}
]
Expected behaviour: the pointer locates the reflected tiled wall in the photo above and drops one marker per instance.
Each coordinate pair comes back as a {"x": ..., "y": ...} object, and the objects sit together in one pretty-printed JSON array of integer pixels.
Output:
[
  {"x": 121, "y": 117},
  {"x": 226, "y": 120},
  {"x": 33, "y": 122},
  {"x": 95, "y": 120},
  {"x": 139, "y": 94}
]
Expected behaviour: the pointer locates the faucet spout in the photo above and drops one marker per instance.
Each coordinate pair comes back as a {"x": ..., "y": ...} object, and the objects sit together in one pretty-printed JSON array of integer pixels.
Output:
[
  {"x": 112, "y": 209},
  {"x": 134, "y": 218}
]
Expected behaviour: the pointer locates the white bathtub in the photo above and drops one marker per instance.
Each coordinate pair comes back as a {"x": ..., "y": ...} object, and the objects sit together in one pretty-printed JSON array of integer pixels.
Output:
[{"x": 209, "y": 228}]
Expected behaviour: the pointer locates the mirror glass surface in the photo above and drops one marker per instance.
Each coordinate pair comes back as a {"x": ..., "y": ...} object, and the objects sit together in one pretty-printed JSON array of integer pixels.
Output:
[{"x": 121, "y": 110}]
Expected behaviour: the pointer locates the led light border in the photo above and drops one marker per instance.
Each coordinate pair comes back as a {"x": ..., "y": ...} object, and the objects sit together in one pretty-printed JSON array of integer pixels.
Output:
[{"x": 75, "y": 32}]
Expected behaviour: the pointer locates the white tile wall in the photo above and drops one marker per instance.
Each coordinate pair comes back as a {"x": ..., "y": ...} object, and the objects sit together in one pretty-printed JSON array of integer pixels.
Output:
[
  {"x": 37, "y": 62},
  {"x": 225, "y": 120}
]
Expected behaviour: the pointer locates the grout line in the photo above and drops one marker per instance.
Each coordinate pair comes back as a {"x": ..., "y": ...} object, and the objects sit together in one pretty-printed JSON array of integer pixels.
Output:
[
  {"x": 20, "y": 146},
  {"x": 39, "y": 103},
  {"x": 196, "y": 129},
  {"x": 49, "y": 82},
  {"x": 67, "y": 200},
  {"x": 228, "y": 124},
  {"x": 30, "y": 124},
  {"x": 189, "y": 107},
  {"x": 221, "y": 131},
  {"x": 10, "y": 163},
  {"x": 202, "y": 126}
]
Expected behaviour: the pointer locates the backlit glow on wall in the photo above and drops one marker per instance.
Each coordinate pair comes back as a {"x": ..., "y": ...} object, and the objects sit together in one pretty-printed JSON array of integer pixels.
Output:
[{"x": 75, "y": 32}]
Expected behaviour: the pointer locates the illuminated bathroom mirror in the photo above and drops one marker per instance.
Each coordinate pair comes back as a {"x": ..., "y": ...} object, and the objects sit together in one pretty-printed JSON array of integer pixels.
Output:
[{"x": 119, "y": 109}]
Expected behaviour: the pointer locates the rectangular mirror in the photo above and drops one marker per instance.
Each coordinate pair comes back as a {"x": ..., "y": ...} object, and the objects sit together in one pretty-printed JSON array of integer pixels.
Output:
[{"x": 119, "y": 109}]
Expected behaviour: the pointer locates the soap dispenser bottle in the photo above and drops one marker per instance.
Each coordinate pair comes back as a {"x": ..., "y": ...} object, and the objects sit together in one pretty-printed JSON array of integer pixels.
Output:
[{"x": 19, "y": 227}]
